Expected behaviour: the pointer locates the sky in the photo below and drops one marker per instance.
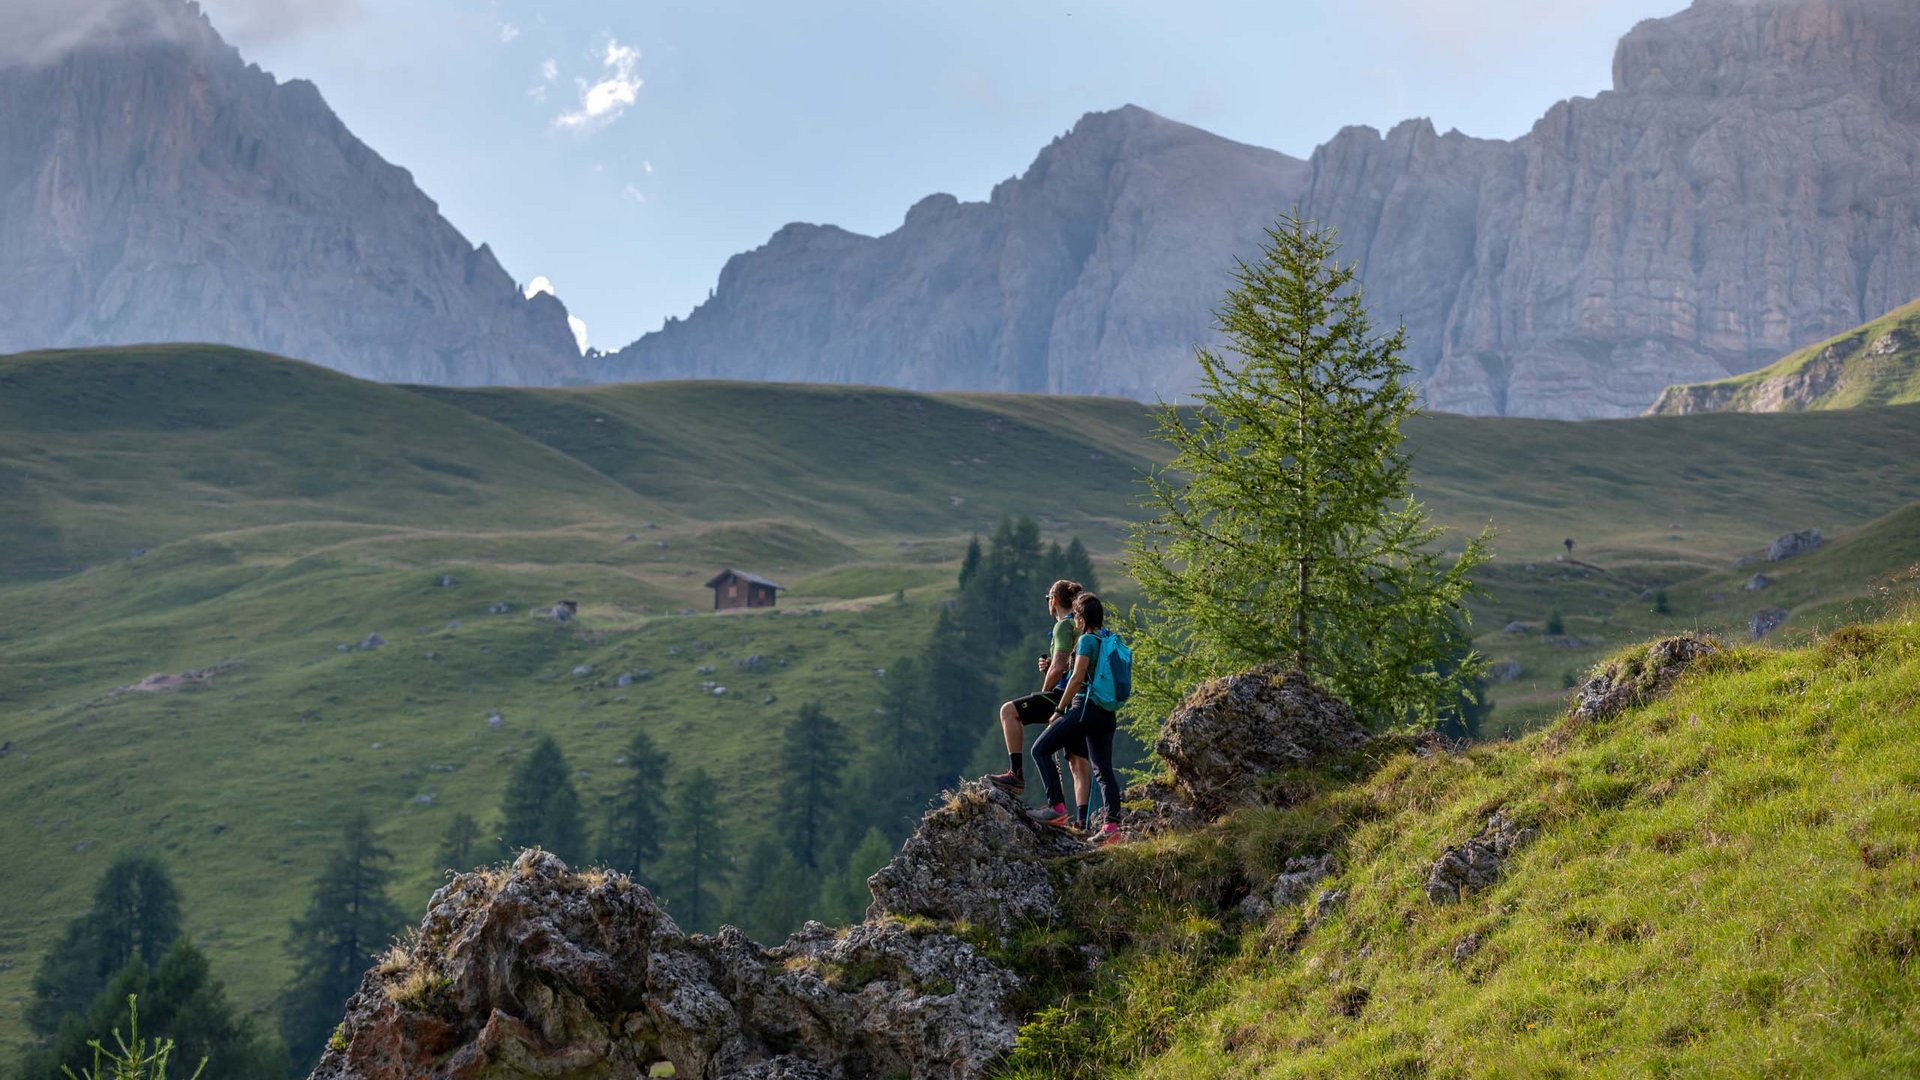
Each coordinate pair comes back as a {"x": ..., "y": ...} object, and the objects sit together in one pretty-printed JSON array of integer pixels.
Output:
[{"x": 622, "y": 150}]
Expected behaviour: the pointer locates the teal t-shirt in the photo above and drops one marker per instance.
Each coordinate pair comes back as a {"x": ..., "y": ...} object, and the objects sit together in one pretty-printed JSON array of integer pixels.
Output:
[{"x": 1089, "y": 647}]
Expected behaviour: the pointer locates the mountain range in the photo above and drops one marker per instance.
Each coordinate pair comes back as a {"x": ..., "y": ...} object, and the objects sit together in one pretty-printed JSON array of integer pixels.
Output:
[
  {"x": 1748, "y": 186},
  {"x": 154, "y": 186}
]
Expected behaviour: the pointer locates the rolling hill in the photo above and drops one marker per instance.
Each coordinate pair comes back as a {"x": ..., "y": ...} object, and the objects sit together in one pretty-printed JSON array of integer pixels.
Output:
[
  {"x": 282, "y": 513},
  {"x": 1875, "y": 364}
]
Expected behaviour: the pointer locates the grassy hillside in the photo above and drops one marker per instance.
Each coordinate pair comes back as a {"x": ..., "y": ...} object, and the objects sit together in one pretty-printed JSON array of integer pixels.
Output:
[
  {"x": 1876, "y": 364},
  {"x": 285, "y": 511},
  {"x": 1725, "y": 883}
]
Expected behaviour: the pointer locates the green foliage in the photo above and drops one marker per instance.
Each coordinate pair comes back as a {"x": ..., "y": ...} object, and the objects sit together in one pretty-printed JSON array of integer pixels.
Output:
[
  {"x": 542, "y": 807},
  {"x": 133, "y": 1058},
  {"x": 844, "y": 895},
  {"x": 776, "y": 892},
  {"x": 135, "y": 916},
  {"x": 349, "y": 919},
  {"x": 460, "y": 845},
  {"x": 185, "y": 1006},
  {"x": 813, "y": 752},
  {"x": 1660, "y": 605},
  {"x": 1556, "y": 624},
  {"x": 637, "y": 818},
  {"x": 696, "y": 865},
  {"x": 1285, "y": 526}
]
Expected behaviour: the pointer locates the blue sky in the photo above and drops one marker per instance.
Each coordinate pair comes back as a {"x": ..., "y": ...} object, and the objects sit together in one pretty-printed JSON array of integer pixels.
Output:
[{"x": 625, "y": 149}]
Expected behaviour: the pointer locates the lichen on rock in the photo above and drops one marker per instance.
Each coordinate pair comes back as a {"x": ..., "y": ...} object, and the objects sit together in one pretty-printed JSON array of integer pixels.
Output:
[
  {"x": 1640, "y": 676},
  {"x": 1476, "y": 864},
  {"x": 976, "y": 858},
  {"x": 1232, "y": 731}
]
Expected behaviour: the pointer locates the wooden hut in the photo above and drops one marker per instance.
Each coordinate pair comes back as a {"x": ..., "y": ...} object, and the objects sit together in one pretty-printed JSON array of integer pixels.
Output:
[{"x": 738, "y": 589}]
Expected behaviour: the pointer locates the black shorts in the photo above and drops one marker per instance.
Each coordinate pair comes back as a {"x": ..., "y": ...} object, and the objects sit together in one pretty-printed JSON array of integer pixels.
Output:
[{"x": 1036, "y": 708}]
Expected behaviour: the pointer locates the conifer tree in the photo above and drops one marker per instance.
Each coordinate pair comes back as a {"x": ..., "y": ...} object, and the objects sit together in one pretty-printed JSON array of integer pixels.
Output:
[
  {"x": 775, "y": 893},
  {"x": 970, "y": 565},
  {"x": 135, "y": 915},
  {"x": 181, "y": 1001},
  {"x": 696, "y": 866},
  {"x": 1285, "y": 526},
  {"x": 637, "y": 817},
  {"x": 460, "y": 844},
  {"x": 1079, "y": 566},
  {"x": 813, "y": 754},
  {"x": 348, "y": 921},
  {"x": 542, "y": 807},
  {"x": 844, "y": 896}
]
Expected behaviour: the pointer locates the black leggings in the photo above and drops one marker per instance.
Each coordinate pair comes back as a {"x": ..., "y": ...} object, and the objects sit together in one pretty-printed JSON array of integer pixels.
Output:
[{"x": 1085, "y": 731}]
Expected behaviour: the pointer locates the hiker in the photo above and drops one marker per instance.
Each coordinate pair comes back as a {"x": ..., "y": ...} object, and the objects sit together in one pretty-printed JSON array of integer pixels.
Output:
[
  {"x": 1038, "y": 707},
  {"x": 1084, "y": 722}
]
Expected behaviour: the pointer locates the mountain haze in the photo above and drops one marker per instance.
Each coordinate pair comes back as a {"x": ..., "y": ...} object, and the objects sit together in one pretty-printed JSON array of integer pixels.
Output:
[
  {"x": 1746, "y": 187},
  {"x": 156, "y": 187}
]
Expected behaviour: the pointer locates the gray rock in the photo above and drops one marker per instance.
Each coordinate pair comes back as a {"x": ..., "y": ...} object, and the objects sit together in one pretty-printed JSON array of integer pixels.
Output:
[
  {"x": 1504, "y": 671},
  {"x": 1475, "y": 864},
  {"x": 565, "y": 610},
  {"x": 1232, "y": 731},
  {"x": 1640, "y": 677},
  {"x": 500, "y": 607},
  {"x": 494, "y": 720},
  {"x": 581, "y": 671},
  {"x": 371, "y": 642},
  {"x": 1765, "y": 621},
  {"x": 1297, "y": 880},
  {"x": 446, "y": 581},
  {"x": 423, "y": 800},
  {"x": 976, "y": 858},
  {"x": 534, "y": 970},
  {"x": 1517, "y": 627},
  {"x": 752, "y": 663},
  {"x": 1758, "y": 582},
  {"x": 1464, "y": 949},
  {"x": 1798, "y": 543}
]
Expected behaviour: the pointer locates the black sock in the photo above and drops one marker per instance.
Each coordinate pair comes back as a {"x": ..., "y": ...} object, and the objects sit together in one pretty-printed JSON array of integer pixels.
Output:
[
  {"x": 1016, "y": 764},
  {"x": 1082, "y": 819}
]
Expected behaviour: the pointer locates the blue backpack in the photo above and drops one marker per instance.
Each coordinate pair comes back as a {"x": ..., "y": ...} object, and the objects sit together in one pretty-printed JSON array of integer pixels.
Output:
[{"x": 1112, "y": 682}]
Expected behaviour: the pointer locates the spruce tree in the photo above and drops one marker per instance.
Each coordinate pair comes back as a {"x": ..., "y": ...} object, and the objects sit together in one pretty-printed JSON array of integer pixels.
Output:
[
  {"x": 179, "y": 1001},
  {"x": 1285, "y": 526},
  {"x": 970, "y": 565},
  {"x": 636, "y": 819},
  {"x": 696, "y": 867},
  {"x": 347, "y": 922},
  {"x": 775, "y": 892},
  {"x": 135, "y": 915},
  {"x": 813, "y": 754},
  {"x": 1079, "y": 566},
  {"x": 844, "y": 896},
  {"x": 542, "y": 807},
  {"x": 461, "y": 843}
]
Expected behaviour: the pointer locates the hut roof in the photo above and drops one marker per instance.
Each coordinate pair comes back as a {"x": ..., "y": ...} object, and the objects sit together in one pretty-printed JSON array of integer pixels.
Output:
[{"x": 755, "y": 579}]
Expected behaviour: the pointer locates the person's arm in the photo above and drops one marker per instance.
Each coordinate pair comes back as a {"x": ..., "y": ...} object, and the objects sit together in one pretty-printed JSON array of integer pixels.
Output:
[
  {"x": 1080, "y": 664},
  {"x": 1054, "y": 670}
]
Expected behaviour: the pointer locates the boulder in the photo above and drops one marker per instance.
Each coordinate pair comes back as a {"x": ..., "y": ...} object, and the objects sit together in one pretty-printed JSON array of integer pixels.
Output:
[
  {"x": 1504, "y": 671},
  {"x": 1758, "y": 582},
  {"x": 977, "y": 858},
  {"x": 1517, "y": 627},
  {"x": 499, "y": 607},
  {"x": 1288, "y": 888},
  {"x": 1765, "y": 621},
  {"x": 565, "y": 610},
  {"x": 1798, "y": 543},
  {"x": 533, "y": 970},
  {"x": 1230, "y": 732},
  {"x": 1640, "y": 676},
  {"x": 1474, "y": 865}
]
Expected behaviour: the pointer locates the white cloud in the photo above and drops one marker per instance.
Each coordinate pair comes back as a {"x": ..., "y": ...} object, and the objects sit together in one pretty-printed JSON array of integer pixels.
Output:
[
  {"x": 508, "y": 32},
  {"x": 602, "y": 102},
  {"x": 633, "y": 194},
  {"x": 648, "y": 166},
  {"x": 549, "y": 69},
  {"x": 537, "y": 286},
  {"x": 579, "y": 329}
]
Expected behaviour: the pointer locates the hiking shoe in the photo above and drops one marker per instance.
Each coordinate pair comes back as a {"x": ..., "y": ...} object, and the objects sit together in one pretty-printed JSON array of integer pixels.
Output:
[
  {"x": 1055, "y": 816},
  {"x": 1108, "y": 836},
  {"x": 1010, "y": 782}
]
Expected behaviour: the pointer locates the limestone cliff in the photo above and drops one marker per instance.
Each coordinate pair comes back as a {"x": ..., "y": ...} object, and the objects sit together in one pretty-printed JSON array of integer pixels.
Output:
[
  {"x": 1748, "y": 186},
  {"x": 1876, "y": 364},
  {"x": 156, "y": 187}
]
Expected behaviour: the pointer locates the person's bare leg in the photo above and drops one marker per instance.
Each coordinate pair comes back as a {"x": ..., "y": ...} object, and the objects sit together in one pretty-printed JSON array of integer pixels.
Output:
[
  {"x": 1082, "y": 771},
  {"x": 1011, "y": 728}
]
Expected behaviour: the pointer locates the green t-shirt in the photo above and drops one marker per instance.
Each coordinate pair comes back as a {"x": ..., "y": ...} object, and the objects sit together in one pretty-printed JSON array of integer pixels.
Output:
[{"x": 1062, "y": 636}]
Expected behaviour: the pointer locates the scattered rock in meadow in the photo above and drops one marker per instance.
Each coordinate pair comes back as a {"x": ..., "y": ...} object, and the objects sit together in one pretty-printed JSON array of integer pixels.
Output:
[
  {"x": 446, "y": 581},
  {"x": 1464, "y": 949},
  {"x": 1232, "y": 731},
  {"x": 1758, "y": 582},
  {"x": 1504, "y": 671},
  {"x": 499, "y": 607},
  {"x": 753, "y": 663},
  {"x": 494, "y": 720},
  {"x": 1517, "y": 627},
  {"x": 1640, "y": 676},
  {"x": 1288, "y": 888},
  {"x": 581, "y": 671},
  {"x": 1765, "y": 621},
  {"x": 1792, "y": 544},
  {"x": 565, "y": 610},
  {"x": 160, "y": 683},
  {"x": 1475, "y": 865},
  {"x": 370, "y": 643}
]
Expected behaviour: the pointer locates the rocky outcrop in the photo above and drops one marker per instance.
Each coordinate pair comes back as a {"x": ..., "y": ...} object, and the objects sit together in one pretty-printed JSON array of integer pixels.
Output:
[
  {"x": 1232, "y": 732},
  {"x": 533, "y": 970},
  {"x": 1744, "y": 189},
  {"x": 1289, "y": 887},
  {"x": 158, "y": 188},
  {"x": 1765, "y": 621},
  {"x": 1795, "y": 543},
  {"x": 1877, "y": 364},
  {"x": 976, "y": 858},
  {"x": 1637, "y": 678},
  {"x": 1467, "y": 868}
]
